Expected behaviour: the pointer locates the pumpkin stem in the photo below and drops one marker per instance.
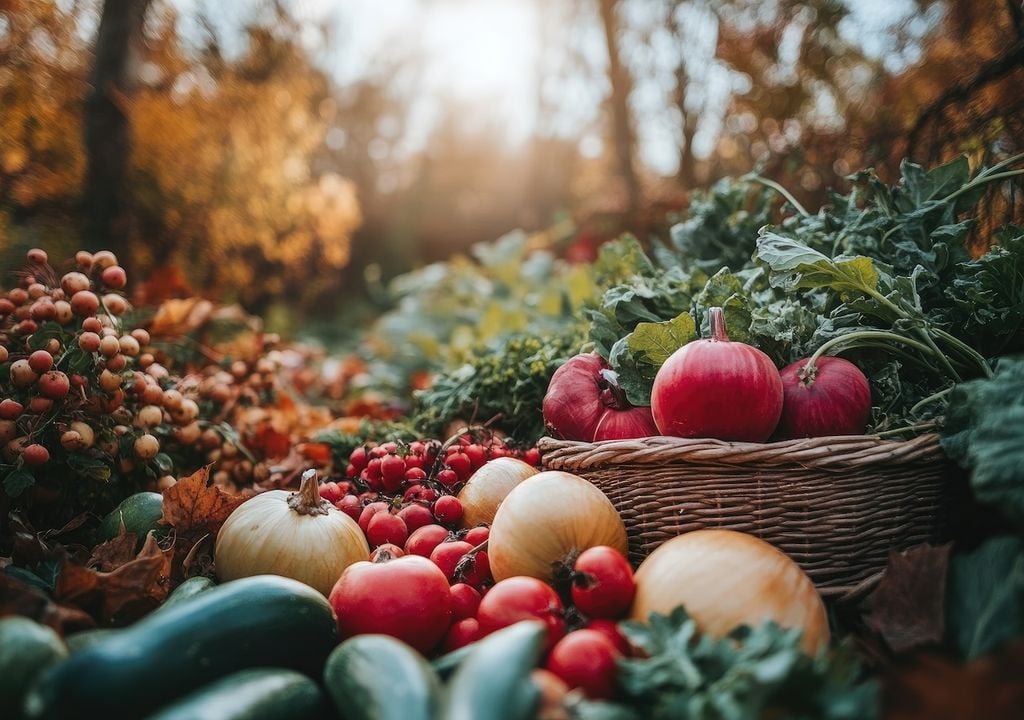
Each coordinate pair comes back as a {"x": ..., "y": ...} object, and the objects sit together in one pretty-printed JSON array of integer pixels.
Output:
[
  {"x": 718, "y": 325},
  {"x": 307, "y": 500}
]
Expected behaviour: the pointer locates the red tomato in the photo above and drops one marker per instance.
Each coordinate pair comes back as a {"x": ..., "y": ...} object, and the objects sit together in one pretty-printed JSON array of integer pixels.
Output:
[
  {"x": 477, "y": 455},
  {"x": 369, "y": 511},
  {"x": 477, "y": 535},
  {"x": 420, "y": 492},
  {"x": 392, "y": 472},
  {"x": 448, "y": 510},
  {"x": 330, "y": 492},
  {"x": 407, "y": 598},
  {"x": 385, "y": 552},
  {"x": 384, "y": 527},
  {"x": 448, "y": 477},
  {"x": 465, "y": 601},
  {"x": 461, "y": 464},
  {"x": 522, "y": 598},
  {"x": 351, "y": 506},
  {"x": 448, "y": 554},
  {"x": 358, "y": 458},
  {"x": 416, "y": 516},
  {"x": 610, "y": 629},
  {"x": 423, "y": 541},
  {"x": 461, "y": 633},
  {"x": 585, "y": 659},
  {"x": 603, "y": 585}
]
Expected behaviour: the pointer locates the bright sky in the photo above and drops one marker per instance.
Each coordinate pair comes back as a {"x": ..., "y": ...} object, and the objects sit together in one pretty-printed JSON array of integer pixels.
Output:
[{"x": 483, "y": 54}]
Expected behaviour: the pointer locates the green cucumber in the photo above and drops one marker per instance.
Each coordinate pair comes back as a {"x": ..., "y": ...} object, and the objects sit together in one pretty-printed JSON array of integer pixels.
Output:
[
  {"x": 263, "y": 621},
  {"x": 186, "y": 591},
  {"x": 255, "y": 694},
  {"x": 494, "y": 680},
  {"x": 87, "y": 638},
  {"x": 376, "y": 677},
  {"x": 140, "y": 513},
  {"x": 26, "y": 650}
]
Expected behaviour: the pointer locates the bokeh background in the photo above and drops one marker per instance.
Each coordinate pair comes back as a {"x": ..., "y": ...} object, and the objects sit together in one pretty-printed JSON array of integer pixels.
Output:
[{"x": 293, "y": 155}]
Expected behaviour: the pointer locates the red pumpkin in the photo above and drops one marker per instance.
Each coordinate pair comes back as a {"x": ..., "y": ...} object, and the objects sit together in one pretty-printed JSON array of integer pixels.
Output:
[
  {"x": 830, "y": 397},
  {"x": 715, "y": 388}
]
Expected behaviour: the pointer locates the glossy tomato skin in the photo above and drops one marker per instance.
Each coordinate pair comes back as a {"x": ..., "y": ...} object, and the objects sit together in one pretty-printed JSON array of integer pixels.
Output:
[
  {"x": 610, "y": 629},
  {"x": 465, "y": 601},
  {"x": 407, "y": 598},
  {"x": 448, "y": 554},
  {"x": 586, "y": 659},
  {"x": 461, "y": 633},
  {"x": 424, "y": 540},
  {"x": 522, "y": 598},
  {"x": 603, "y": 585}
]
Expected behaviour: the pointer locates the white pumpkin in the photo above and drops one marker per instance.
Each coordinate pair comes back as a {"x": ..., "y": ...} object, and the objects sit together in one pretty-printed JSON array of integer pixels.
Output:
[{"x": 294, "y": 534}]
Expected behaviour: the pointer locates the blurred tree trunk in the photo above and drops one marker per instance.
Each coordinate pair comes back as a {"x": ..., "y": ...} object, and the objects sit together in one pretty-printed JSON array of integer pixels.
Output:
[
  {"x": 622, "y": 126},
  {"x": 686, "y": 174},
  {"x": 107, "y": 133}
]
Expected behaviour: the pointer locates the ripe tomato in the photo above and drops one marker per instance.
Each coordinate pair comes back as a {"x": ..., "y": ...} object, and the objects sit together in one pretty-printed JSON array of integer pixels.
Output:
[
  {"x": 522, "y": 598},
  {"x": 448, "y": 510},
  {"x": 477, "y": 535},
  {"x": 416, "y": 516},
  {"x": 610, "y": 629},
  {"x": 384, "y": 527},
  {"x": 369, "y": 511},
  {"x": 585, "y": 659},
  {"x": 392, "y": 472},
  {"x": 423, "y": 541},
  {"x": 603, "y": 585},
  {"x": 465, "y": 601},
  {"x": 351, "y": 506},
  {"x": 407, "y": 598},
  {"x": 447, "y": 555},
  {"x": 461, "y": 633},
  {"x": 387, "y": 551}
]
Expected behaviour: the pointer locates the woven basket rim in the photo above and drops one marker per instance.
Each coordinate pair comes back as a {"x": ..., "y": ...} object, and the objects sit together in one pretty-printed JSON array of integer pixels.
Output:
[{"x": 823, "y": 452}]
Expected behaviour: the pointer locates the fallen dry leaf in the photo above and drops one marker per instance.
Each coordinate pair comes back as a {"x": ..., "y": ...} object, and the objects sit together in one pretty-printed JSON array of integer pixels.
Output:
[
  {"x": 123, "y": 594},
  {"x": 929, "y": 687},
  {"x": 112, "y": 554},
  {"x": 192, "y": 504},
  {"x": 20, "y": 598},
  {"x": 908, "y": 608}
]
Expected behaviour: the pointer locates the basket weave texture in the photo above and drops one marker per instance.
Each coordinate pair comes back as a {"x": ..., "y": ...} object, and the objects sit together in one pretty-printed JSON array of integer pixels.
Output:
[{"x": 836, "y": 505}]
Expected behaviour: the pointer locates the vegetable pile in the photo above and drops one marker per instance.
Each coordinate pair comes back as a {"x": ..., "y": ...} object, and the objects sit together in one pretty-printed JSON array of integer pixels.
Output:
[{"x": 183, "y": 534}]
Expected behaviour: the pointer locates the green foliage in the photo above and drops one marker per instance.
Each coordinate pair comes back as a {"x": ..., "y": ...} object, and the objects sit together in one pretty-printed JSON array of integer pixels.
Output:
[
  {"x": 984, "y": 432},
  {"x": 751, "y": 673},
  {"x": 504, "y": 381},
  {"x": 985, "y": 597}
]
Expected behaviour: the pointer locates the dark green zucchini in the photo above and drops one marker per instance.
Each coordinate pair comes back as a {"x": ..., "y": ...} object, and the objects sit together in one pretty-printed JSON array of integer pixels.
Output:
[
  {"x": 255, "y": 694},
  {"x": 26, "y": 650},
  {"x": 376, "y": 677},
  {"x": 186, "y": 591},
  {"x": 494, "y": 680},
  {"x": 140, "y": 513},
  {"x": 264, "y": 621},
  {"x": 87, "y": 638}
]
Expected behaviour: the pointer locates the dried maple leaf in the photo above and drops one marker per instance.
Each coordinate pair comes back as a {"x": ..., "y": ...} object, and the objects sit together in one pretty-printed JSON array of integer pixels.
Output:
[
  {"x": 908, "y": 609},
  {"x": 191, "y": 504},
  {"x": 123, "y": 594},
  {"x": 933, "y": 688},
  {"x": 114, "y": 553},
  {"x": 20, "y": 598}
]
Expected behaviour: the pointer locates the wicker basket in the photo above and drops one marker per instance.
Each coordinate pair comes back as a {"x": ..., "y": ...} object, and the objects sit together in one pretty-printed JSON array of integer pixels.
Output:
[{"x": 836, "y": 505}]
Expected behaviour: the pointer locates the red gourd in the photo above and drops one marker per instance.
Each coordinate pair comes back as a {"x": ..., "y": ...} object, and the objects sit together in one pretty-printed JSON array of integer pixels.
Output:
[
  {"x": 823, "y": 396},
  {"x": 716, "y": 388},
  {"x": 584, "y": 402}
]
